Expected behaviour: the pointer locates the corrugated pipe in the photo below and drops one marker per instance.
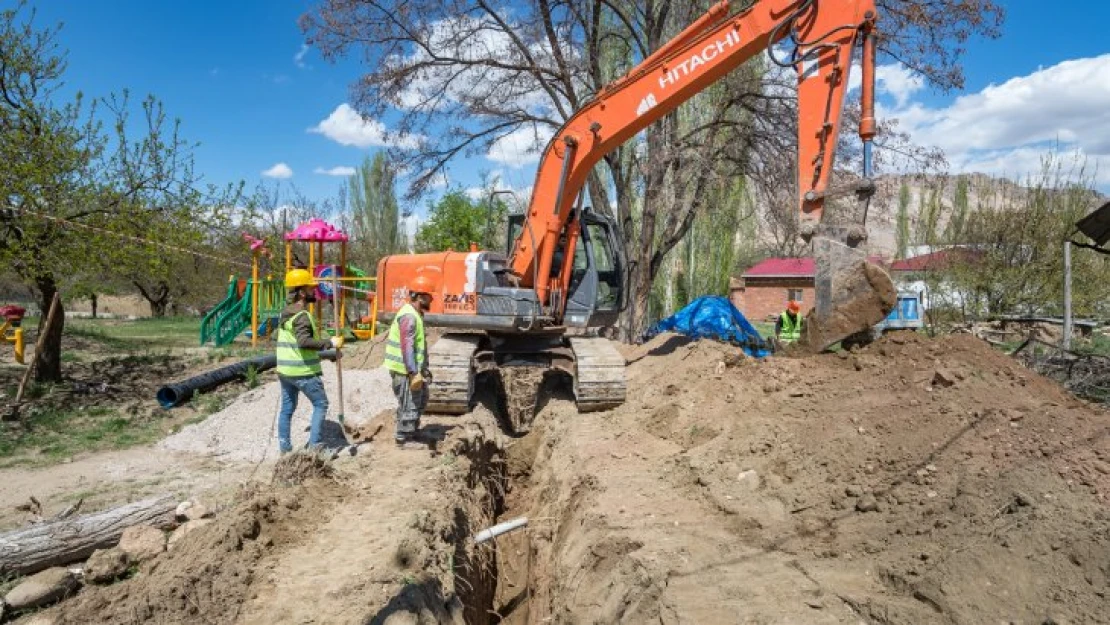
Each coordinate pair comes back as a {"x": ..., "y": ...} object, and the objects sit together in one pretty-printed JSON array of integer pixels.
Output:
[{"x": 178, "y": 393}]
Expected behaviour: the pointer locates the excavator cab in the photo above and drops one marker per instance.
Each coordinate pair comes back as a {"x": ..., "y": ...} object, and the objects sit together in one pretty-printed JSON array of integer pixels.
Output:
[{"x": 597, "y": 285}]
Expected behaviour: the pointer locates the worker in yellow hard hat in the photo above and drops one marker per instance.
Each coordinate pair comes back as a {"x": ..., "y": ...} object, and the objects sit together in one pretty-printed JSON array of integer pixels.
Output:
[
  {"x": 406, "y": 359},
  {"x": 298, "y": 358}
]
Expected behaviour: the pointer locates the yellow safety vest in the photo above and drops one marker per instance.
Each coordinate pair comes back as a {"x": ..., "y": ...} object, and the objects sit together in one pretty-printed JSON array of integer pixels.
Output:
[
  {"x": 292, "y": 361},
  {"x": 790, "y": 332},
  {"x": 394, "y": 358}
]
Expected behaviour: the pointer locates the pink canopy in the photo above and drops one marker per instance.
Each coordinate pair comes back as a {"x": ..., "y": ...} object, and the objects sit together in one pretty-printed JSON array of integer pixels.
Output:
[{"x": 317, "y": 230}]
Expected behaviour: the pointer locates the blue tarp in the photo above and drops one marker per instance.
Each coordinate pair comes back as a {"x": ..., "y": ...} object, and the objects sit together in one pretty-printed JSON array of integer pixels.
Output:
[{"x": 715, "y": 318}]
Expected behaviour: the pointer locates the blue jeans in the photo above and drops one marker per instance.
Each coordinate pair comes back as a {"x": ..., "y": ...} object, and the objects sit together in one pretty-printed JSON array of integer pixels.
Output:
[{"x": 313, "y": 389}]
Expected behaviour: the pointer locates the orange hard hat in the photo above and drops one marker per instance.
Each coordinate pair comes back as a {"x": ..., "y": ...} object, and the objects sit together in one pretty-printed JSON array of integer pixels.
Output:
[
  {"x": 793, "y": 306},
  {"x": 421, "y": 284}
]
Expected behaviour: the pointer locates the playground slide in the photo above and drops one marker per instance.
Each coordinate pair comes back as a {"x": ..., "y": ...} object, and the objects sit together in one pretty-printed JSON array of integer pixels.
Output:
[
  {"x": 209, "y": 322},
  {"x": 232, "y": 317}
]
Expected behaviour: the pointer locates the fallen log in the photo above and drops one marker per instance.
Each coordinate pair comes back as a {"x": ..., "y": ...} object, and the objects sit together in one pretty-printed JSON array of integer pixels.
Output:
[{"x": 62, "y": 541}]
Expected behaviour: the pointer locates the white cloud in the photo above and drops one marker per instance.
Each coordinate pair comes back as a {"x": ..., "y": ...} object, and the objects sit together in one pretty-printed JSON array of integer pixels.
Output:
[
  {"x": 894, "y": 80},
  {"x": 341, "y": 170},
  {"x": 478, "y": 41},
  {"x": 1009, "y": 127},
  {"x": 280, "y": 171},
  {"x": 298, "y": 58},
  {"x": 518, "y": 194},
  {"x": 898, "y": 82},
  {"x": 439, "y": 181},
  {"x": 520, "y": 147},
  {"x": 346, "y": 127}
]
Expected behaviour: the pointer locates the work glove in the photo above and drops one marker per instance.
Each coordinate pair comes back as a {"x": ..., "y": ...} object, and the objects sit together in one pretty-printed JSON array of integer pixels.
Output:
[
  {"x": 427, "y": 373},
  {"x": 416, "y": 382},
  {"x": 337, "y": 342}
]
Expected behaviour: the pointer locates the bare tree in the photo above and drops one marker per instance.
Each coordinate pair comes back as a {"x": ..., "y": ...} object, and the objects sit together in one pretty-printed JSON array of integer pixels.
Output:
[{"x": 471, "y": 77}]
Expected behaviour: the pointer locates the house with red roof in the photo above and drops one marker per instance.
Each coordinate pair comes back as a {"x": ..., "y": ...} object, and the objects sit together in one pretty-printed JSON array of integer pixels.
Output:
[
  {"x": 761, "y": 292},
  {"x": 924, "y": 274}
]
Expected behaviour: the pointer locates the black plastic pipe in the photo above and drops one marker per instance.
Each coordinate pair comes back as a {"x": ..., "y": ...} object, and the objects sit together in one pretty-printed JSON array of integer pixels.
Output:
[{"x": 178, "y": 393}]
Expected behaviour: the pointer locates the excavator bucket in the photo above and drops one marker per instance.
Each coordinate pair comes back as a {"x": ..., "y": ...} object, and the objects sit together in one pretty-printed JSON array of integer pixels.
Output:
[{"x": 852, "y": 295}]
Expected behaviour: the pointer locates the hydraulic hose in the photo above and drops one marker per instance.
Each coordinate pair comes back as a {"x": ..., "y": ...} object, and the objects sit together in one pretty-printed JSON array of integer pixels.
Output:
[{"x": 178, "y": 393}]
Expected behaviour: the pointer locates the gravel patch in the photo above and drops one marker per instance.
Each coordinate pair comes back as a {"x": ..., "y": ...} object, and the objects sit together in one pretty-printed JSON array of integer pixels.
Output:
[{"x": 246, "y": 431}]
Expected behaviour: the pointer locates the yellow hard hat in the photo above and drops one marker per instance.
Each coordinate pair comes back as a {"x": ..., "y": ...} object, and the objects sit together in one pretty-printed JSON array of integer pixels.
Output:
[{"x": 297, "y": 278}]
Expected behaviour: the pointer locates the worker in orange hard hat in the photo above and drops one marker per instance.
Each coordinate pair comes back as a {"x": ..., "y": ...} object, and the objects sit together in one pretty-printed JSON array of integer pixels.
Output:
[
  {"x": 788, "y": 327},
  {"x": 406, "y": 359}
]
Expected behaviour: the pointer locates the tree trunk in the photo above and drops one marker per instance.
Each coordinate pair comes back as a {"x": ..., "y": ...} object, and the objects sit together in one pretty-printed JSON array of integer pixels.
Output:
[
  {"x": 55, "y": 543},
  {"x": 92, "y": 304},
  {"x": 158, "y": 297},
  {"x": 48, "y": 360}
]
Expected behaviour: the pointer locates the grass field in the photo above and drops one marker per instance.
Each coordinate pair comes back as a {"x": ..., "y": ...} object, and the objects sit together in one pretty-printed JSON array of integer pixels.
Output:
[{"x": 112, "y": 368}]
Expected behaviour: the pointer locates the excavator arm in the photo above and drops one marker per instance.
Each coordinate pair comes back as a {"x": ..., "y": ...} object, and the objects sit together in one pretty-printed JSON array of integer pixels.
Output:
[{"x": 823, "y": 34}]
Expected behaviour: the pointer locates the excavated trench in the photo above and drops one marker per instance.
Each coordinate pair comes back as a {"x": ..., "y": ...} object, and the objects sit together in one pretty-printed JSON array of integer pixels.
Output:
[{"x": 495, "y": 580}]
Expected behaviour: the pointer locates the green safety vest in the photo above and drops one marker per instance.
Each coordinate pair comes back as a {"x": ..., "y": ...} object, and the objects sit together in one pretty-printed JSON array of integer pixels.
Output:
[
  {"x": 790, "y": 332},
  {"x": 292, "y": 361},
  {"x": 394, "y": 358}
]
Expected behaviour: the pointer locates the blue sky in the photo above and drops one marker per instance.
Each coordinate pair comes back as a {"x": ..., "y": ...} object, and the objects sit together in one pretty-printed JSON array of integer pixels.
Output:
[{"x": 238, "y": 76}]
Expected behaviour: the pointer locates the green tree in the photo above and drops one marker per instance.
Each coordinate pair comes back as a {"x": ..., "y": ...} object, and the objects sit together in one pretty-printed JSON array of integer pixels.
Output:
[
  {"x": 955, "y": 230},
  {"x": 375, "y": 216},
  {"x": 1014, "y": 237},
  {"x": 75, "y": 177},
  {"x": 902, "y": 226},
  {"x": 456, "y": 221}
]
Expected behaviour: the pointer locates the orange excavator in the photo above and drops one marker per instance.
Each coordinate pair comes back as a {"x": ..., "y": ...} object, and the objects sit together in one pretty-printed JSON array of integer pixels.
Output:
[{"x": 531, "y": 310}]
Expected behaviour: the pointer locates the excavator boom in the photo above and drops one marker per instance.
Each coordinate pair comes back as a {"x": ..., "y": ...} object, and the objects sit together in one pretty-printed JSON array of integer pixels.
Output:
[
  {"x": 564, "y": 268},
  {"x": 823, "y": 34}
]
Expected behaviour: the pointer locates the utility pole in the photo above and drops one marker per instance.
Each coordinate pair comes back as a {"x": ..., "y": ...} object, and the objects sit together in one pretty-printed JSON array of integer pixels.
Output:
[{"x": 1067, "y": 295}]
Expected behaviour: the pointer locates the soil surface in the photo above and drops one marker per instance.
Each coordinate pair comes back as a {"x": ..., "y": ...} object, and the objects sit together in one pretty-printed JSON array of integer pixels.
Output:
[{"x": 915, "y": 481}]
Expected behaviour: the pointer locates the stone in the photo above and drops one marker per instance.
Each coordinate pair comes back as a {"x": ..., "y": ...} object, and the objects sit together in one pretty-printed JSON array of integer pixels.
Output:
[
  {"x": 867, "y": 503},
  {"x": 42, "y": 588},
  {"x": 185, "y": 529},
  {"x": 182, "y": 510},
  {"x": 749, "y": 479},
  {"x": 106, "y": 565},
  {"x": 943, "y": 378},
  {"x": 197, "y": 511},
  {"x": 854, "y": 490},
  {"x": 142, "y": 542}
]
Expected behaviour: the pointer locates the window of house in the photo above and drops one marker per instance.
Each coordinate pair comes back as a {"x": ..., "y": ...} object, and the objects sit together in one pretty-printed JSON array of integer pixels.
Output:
[{"x": 794, "y": 294}]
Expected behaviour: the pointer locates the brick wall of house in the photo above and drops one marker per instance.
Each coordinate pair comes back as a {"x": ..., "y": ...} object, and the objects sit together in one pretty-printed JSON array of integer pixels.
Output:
[{"x": 765, "y": 298}]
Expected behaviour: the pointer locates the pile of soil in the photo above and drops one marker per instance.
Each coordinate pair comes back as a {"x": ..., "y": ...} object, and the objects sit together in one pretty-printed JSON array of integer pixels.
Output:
[
  {"x": 207, "y": 577},
  {"x": 915, "y": 481}
]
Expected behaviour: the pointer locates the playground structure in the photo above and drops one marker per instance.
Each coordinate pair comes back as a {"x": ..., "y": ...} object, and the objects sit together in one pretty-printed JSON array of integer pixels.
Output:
[
  {"x": 13, "y": 320},
  {"x": 253, "y": 306},
  {"x": 315, "y": 234}
]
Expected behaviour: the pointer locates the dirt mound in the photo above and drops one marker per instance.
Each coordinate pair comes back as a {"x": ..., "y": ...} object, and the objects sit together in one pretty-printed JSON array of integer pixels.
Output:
[
  {"x": 917, "y": 480},
  {"x": 206, "y": 578},
  {"x": 301, "y": 466}
]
